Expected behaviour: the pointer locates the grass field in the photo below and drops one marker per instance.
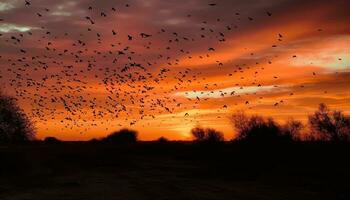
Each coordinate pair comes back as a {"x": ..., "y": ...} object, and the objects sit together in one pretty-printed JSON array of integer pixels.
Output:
[{"x": 174, "y": 171}]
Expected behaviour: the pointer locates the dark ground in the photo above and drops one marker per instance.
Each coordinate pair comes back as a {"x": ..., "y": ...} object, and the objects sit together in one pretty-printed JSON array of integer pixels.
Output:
[{"x": 174, "y": 171}]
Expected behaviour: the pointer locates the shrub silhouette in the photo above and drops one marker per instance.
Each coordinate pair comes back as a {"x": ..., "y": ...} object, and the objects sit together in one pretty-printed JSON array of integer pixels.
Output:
[
  {"x": 162, "y": 140},
  {"x": 257, "y": 129},
  {"x": 123, "y": 136},
  {"x": 94, "y": 140},
  {"x": 52, "y": 140},
  {"x": 330, "y": 125},
  {"x": 207, "y": 135},
  {"x": 15, "y": 126}
]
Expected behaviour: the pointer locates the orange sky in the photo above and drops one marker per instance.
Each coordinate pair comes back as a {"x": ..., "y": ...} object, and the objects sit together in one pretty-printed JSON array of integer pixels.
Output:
[{"x": 70, "y": 76}]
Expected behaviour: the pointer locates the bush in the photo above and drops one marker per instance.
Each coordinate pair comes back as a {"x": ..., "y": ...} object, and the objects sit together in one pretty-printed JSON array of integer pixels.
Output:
[
  {"x": 94, "y": 141},
  {"x": 52, "y": 140},
  {"x": 15, "y": 126},
  {"x": 162, "y": 140},
  {"x": 330, "y": 125},
  {"x": 257, "y": 129},
  {"x": 207, "y": 135},
  {"x": 123, "y": 136}
]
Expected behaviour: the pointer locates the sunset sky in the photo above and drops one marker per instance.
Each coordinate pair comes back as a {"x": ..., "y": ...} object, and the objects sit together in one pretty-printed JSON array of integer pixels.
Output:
[{"x": 84, "y": 68}]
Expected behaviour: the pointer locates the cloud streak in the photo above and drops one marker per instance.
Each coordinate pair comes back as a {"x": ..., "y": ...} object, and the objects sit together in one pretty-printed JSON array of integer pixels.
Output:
[{"x": 226, "y": 92}]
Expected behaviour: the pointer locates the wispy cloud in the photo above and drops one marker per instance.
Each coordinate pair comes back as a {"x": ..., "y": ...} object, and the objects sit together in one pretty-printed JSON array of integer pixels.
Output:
[
  {"x": 225, "y": 92},
  {"x": 330, "y": 53},
  {"x": 7, "y": 28},
  {"x": 6, "y": 6}
]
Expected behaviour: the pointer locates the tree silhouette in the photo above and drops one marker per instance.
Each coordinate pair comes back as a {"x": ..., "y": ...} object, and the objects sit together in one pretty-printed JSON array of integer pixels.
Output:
[
  {"x": 123, "y": 136},
  {"x": 15, "y": 126},
  {"x": 198, "y": 134},
  {"x": 330, "y": 125},
  {"x": 214, "y": 136},
  {"x": 293, "y": 128},
  {"x": 257, "y": 129},
  {"x": 207, "y": 135}
]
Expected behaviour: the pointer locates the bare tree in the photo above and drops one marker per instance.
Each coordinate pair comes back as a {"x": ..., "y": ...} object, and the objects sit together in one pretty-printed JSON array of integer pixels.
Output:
[
  {"x": 15, "y": 126},
  {"x": 330, "y": 125},
  {"x": 207, "y": 135},
  {"x": 293, "y": 128},
  {"x": 214, "y": 136},
  {"x": 198, "y": 133},
  {"x": 241, "y": 123},
  {"x": 257, "y": 129}
]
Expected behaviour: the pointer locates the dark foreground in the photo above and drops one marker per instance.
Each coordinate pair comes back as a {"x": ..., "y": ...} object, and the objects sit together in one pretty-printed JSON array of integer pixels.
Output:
[{"x": 174, "y": 171}]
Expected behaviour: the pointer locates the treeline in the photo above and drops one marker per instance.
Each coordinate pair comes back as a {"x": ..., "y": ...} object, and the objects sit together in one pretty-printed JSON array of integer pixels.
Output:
[{"x": 323, "y": 125}]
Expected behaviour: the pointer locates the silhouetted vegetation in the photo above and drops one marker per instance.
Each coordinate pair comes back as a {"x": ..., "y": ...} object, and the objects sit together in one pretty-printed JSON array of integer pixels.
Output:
[
  {"x": 324, "y": 124},
  {"x": 52, "y": 140},
  {"x": 15, "y": 126},
  {"x": 207, "y": 135},
  {"x": 123, "y": 136},
  {"x": 162, "y": 140},
  {"x": 257, "y": 129},
  {"x": 330, "y": 125},
  {"x": 293, "y": 129},
  {"x": 218, "y": 169},
  {"x": 198, "y": 134},
  {"x": 94, "y": 140}
]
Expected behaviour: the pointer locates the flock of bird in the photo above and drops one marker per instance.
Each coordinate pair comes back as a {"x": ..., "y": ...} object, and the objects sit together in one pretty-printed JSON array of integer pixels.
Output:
[{"x": 93, "y": 81}]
